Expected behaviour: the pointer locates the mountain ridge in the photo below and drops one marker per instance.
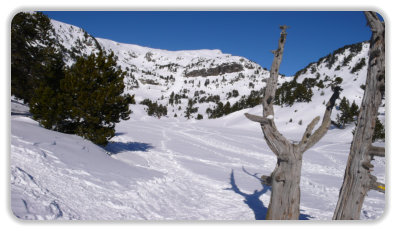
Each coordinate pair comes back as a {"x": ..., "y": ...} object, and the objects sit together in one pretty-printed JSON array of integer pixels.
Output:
[{"x": 199, "y": 75}]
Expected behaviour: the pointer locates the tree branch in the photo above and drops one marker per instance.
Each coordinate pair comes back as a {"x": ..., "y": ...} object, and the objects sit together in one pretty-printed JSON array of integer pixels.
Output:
[
  {"x": 308, "y": 142},
  {"x": 380, "y": 187},
  {"x": 376, "y": 151},
  {"x": 270, "y": 89},
  {"x": 373, "y": 21},
  {"x": 272, "y": 136},
  {"x": 256, "y": 118},
  {"x": 308, "y": 131},
  {"x": 266, "y": 180}
]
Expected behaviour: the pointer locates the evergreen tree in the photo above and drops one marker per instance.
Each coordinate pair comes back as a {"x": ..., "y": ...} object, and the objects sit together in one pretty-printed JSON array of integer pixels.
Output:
[
  {"x": 35, "y": 54},
  {"x": 359, "y": 65},
  {"x": 88, "y": 102},
  {"x": 155, "y": 109},
  {"x": 94, "y": 86},
  {"x": 348, "y": 112},
  {"x": 206, "y": 82},
  {"x": 227, "y": 108},
  {"x": 172, "y": 98},
  {"x": 48, "y": 108},
  {"x": 190, "y": 109},
  {"x": 379, "y": 131},
  {"x": 235, "y": 93}
]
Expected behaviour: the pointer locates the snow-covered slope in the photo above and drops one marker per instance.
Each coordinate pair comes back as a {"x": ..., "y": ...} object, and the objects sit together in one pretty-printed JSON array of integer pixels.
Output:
[
  {"x": 154, "y": 74},
  {"x": 174, "y": 168},
  {"x": 198, "y": 74},
  {"x": 171, "y": 169}
]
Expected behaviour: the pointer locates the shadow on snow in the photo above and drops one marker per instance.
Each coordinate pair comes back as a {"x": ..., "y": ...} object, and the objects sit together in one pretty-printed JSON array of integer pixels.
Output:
[
  {"x": 253, "y": 200},
  {"x": 118, "y": 147}
]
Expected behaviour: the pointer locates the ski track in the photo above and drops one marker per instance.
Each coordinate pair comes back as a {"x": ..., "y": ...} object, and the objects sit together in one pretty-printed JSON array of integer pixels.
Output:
[{"x": 196, "y": 163}]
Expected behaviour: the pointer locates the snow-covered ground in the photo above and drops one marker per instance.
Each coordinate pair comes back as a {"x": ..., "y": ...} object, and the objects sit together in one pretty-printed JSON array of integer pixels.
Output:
[{"x": 172, "y": 169}]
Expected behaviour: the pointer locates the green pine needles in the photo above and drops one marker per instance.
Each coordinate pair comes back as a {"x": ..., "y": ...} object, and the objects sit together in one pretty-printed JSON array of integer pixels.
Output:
[
  {"x": 349, "y": 112},
  {"x": 89, "y": 101},
  {"x": 35, "y": 55},
  {"x": 86, "y": 99}
]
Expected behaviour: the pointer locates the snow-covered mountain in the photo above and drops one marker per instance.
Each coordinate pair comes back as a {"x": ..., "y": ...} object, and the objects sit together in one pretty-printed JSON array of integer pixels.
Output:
[
  {"x": 177, "y": 169},
  {"x": 154, "y": 74},
  {"x": 210, "y": 76}
]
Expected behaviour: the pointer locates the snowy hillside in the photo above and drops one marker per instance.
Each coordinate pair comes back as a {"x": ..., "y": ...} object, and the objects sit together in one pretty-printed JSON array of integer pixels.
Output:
[
  {"x": 154, "y": 74},
  {"x": 172, "y": 168},
  {"x": 208, "y": 77}
]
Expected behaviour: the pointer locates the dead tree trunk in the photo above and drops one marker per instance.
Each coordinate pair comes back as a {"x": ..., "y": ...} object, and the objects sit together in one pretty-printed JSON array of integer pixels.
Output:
[
  {"x": 357, "y": 179},
  {"x": 285, "y": 179}
]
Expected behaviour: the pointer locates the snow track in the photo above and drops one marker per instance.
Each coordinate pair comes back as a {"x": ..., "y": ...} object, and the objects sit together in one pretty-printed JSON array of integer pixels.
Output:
[{"x": 168, "y": 169}]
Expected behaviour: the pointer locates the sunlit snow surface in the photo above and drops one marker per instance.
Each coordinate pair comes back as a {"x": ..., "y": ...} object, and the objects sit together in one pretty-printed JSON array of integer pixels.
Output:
[
  {"x": 162, "y": 169},
  {"x": 178, "y": 169}
]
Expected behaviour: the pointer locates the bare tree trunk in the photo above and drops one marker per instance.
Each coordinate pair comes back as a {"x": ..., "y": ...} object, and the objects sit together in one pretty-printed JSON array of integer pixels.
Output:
[
  {"x": 285, "y": 192},
  {"x": 285, "y": 179},
  {"x": 357, "y": 179}
]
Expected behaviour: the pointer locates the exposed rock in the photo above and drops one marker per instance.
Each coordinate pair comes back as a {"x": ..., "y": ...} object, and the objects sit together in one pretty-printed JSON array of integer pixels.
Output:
[{"x": 215, "y": 71}]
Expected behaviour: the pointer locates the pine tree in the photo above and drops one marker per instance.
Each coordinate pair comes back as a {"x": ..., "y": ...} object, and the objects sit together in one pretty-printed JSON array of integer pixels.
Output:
[
  {"x": 89, "y": 100},
  {"x": 379, "y": 131},
  {"x": 190, "y": 109},
  {"x": 172, "y": 98},
  {"x": 227, "y": 108},
  {"x": 35, "y": 54},
  {"x": 348, "y": 112},
  {"x": 95, "y": 88}
]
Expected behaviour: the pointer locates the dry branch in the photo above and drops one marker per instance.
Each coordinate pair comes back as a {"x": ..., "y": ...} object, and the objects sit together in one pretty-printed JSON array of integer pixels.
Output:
[
  {"x": 309, "y": 140},
  {"x": 266, "y": 180},
  {"x": 376, "y": 151},
  {"x": 380, "y": 187},
  {"x": 256, "y": 118}
]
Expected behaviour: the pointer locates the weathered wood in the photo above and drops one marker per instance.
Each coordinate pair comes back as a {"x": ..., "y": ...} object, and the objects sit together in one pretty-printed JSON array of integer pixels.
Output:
[
  {"x": 308, "y": 141},
  {"x": 285, "y": 193},
  {"x": 308, "y": 130},
  {"x": 376, "y": 151},
  {"x": 357, "y": 178},
  {"x": 256, "y": 118},
  {"x": 266, "y": 180},
  {"x": 380, "y": 187},
  {"x": 285, "y": 179}
]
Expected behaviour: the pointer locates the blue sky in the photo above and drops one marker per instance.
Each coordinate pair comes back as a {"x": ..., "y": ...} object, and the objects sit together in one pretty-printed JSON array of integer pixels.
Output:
[{"x": 312, "y": 34}]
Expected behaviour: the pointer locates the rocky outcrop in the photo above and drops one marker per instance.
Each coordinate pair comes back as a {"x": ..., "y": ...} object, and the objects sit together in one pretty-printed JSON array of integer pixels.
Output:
[{"x": 215, "y": 71}]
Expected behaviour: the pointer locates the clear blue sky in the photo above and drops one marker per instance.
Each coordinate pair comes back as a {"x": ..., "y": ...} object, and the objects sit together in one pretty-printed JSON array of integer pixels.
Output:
[{"x": 250, "y": 34}]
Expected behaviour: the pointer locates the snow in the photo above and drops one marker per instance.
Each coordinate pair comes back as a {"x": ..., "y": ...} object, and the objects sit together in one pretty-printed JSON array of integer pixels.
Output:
[
  {"x": 162, "y": 64},
  {"x": 171, "y": 169},
  {"x": 174, "y": 168}
]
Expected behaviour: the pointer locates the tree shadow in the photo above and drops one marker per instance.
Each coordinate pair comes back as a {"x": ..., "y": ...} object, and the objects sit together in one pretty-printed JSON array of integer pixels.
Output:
[
  {"x": 304, "y": 216},
  {"x": 117, "y": 147},
  {"x": 28, "y": 114},
  {"x": 253, "y": 200}
]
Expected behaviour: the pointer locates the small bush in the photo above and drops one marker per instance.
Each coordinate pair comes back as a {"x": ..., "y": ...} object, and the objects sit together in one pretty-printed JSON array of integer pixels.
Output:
[
  {"x": 155, "y": 109},
  {"x": 359, "y": 65},
  {"x": 348, "y": 112},
  {"x": 379, "y": 131}
]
